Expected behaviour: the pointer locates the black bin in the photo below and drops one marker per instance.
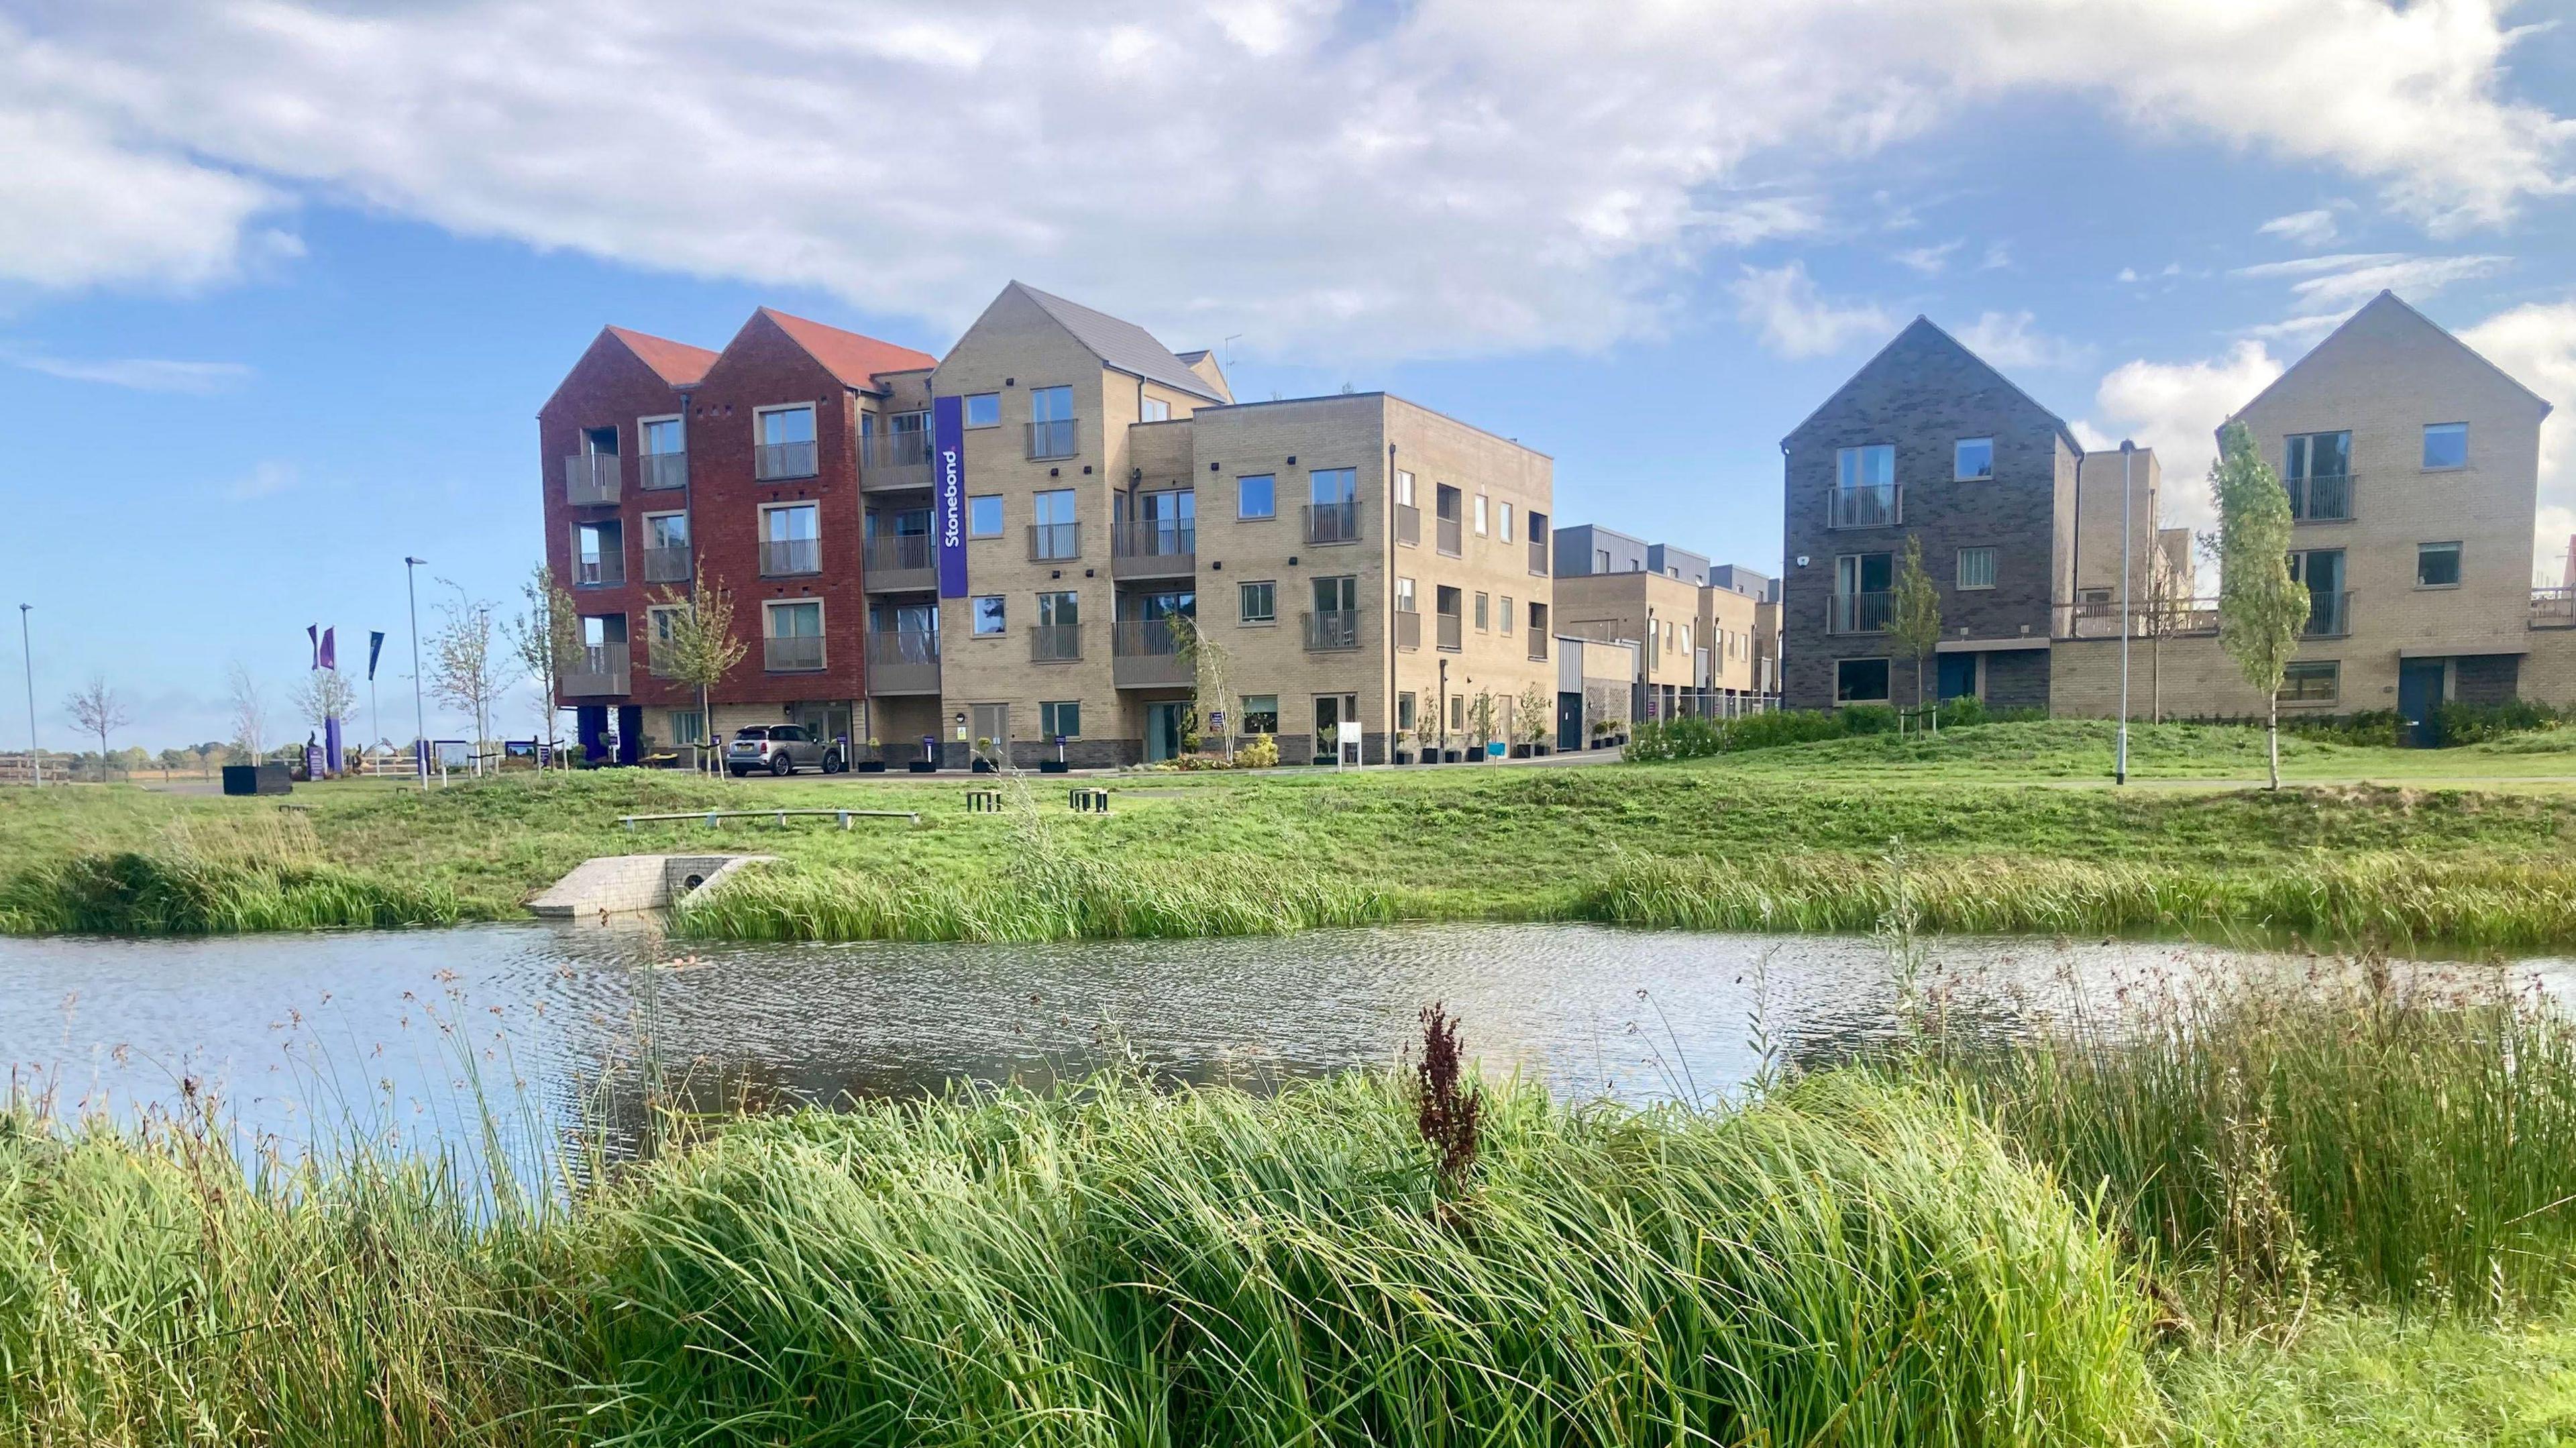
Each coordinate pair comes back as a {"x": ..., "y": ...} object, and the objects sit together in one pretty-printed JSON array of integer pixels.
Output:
[{"x": 257, "y": 779}]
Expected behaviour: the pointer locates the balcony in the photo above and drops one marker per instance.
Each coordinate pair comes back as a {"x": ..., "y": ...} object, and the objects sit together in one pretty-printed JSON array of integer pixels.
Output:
[
  {"x": 1153, "y": 548},
  {"x": 1051, "y": 440},
  {"x": 1333, "y": 631},
  {"x": 1054, "y": 542},
  {"x": 1452, "y": 538},
  {"x": 890, "y": 461},
  {"x": 1538, "y": 557},
  {"x": 777, "y": 461},
  {"x": 1144, "y": 653},
  {"x": 1408, "y": 525},
  {"x": 802, "y": 654},
  {"x": 1333, "y": 522},
  {"x": 787, "y": 557},
  {"x": 667, "y": 565},
  {"x": 1859, "y": 613},
  {"x": 1880, "y": 506},
  {"x": 1408, "y": 629},
  {"x": 2323, "y": 499},
  {"x": 600, "y": 671},
  {"x": 2329, "y": 616},
  {"x": 898, "y": 563},
  {"x": 1055, "y": 643},
  {"x": 661, "y": 472},
  {"x": 1452, "y": 630},
  {"x": 599, "y": 570},
  {"x": 2553, "y": 608},
  {"x": 590, "y": 480},
  {"x": 902, "y": 661},
  {"x": 2179, "y": 618}
]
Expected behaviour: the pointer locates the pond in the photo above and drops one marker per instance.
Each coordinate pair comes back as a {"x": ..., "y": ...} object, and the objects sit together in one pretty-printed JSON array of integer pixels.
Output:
[{"x": 408, "y": 1036}]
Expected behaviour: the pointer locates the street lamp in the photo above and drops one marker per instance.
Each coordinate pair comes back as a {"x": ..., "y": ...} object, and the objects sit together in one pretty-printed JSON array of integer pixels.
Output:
[
  {"x": 35, "y": 758},
  {"x": 2120, "y": 771},
  {"x": 419, "y": 712}
]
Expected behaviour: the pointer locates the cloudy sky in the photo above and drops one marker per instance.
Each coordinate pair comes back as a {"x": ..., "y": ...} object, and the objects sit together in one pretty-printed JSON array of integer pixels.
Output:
[{"x": 283, "y": 282}]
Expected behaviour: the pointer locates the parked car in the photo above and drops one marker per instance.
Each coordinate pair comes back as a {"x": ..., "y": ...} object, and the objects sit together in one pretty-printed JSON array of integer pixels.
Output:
[{"x": 782, "y": 749}]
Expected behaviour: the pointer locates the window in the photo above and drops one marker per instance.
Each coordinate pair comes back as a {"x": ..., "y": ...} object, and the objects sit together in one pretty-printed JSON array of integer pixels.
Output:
[
  {"x": 1509, "y": 613},
  {"x": 1053, "y": 506},
  {"x": 1061, "y": 719},
  {"x": 1484, "y": 611},
  {"x": 1865, "y": 467},
  {"x": 1457, "y": 713},
  {"x": 790, "y": 539},
  {"x": 1154, "y": 409},
  {"x": 1973, "y": 458},
  {"x": 1259, "y": 602},
  {"x": 984, "y": 516},
  {"x": 1333, "y": 487},
  {"x": 1860, "y": 681},
  {"x": 1051, "y": 404},
  {"x": 1331, "y": 712},
  {"x": 983, "y": 409},
  {"x": 1051, "y": 422},
  {"x": 1480, "y": 515},
  {"x": 599, "y": 554},
  {"x": 1404, "y": 595},
  {"x": 1260, "y": 714},
  {"x": 1055, "y": 534},
  {"x": 797, "y": 619},
  {"x": 688, "y": 726},
  {"x": 1404, "y": 487},
  {"x": 1538, "y": 620},
  {"x": 1507, "y": 522},
  {"x": 2446, "y": 445},
  {"x": 659, "y": 436},
  {"x": 1976, "y": 568},
  {"x": 2437, "y": 565},
  {"x": 1256, "y": 496},
  {"x": 2311, "y": 681},
  {"x": 2319, "y": 455},
  {"x": 1600, "y": 560},
  {"x": 786, "y": 442},
  {"x": 1404, "y": 714},
  {"x": 666, "y": 530},
  {"x": 991, "y": 615}
]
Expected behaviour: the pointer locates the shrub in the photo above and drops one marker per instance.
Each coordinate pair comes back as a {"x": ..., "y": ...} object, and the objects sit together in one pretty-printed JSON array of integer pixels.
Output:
[
  {"x": 1261, "y": 753},
  {"x": 2458, "y": 723},
  {"x": 1867, "y": 718}
]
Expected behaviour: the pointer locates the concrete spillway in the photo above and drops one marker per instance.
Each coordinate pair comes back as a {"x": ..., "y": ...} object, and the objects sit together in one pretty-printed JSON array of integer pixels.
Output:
[{"x": 613, "y": 884}]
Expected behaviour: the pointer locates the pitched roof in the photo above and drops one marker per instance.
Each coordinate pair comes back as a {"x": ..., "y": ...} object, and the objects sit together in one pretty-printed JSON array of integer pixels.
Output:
[
  {"x": 1926, "y": 324},
  {"x": 677, "y": 363},
  {"x": 2385, "y": 298},
  {"x": 1122, "y": 345},
  {"x": 853, "y": 359}
]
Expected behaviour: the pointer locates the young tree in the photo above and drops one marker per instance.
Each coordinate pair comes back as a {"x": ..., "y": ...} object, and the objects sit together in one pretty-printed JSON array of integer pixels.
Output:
[
  {"x": 1914, "y": 614},
  {"x": 1532, "y": 713},
  {"x": 324, "y": 694},
  {"x": 1211, "y": 669},
  {"x": 461, "y": 665},
  {"x": 2169, "y": 595},
  {"x": 546, "y": 639},
  {"x": 249, "y": 704},
  {"x": 95, "y": 709},
  {"x": 698, "y": 648},
  {"x": 2261, "y": 608},
  {"x": 1480, "y": 719}
]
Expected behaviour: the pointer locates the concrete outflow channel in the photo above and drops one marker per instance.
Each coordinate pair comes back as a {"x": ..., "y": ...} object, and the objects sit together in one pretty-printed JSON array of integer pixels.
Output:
[{"x": 616, "y": 884}]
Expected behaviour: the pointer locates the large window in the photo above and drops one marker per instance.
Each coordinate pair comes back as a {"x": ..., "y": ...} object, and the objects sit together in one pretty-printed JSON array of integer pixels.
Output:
[
  {"x": 1483, "y": 508},
  {"x": 2437, "y": 565},
  {"x": 790, "y": 539},
  {"x": 983, "y": 409},
  {"x": 599, "y": 554},
  {"x": 1060, "y": 720},
  {"x": 1484, "y": 611},
  {"x": 688, "y": 726},
  {"x": 1061, "y": 609},
  {"x": 2311, "y": 681},
  {"x": 1154, "y": 409},
  {"x": 1259, "y": 602},
  {"x": 1865, "y": 487},
  {"x": 1055, "y": 534},
  {"x": 1976, "y": 568},
  {"x": 1506, "y": 521},
  {"x": 2446, "y": 445},
  {"x": 1256, "y": 496},
  {"x": 1508, "y": 614},
  {"x": 992, "y": 615},
  {"x": 984, "y": 516},
  {"x": 1051, "y": 422},
  {"x": 1972, "y": 458},
  {"x": 1860, "y": 681},
  {"x": 785, "y": 437},
  {"x": 1260, "y": 714}
]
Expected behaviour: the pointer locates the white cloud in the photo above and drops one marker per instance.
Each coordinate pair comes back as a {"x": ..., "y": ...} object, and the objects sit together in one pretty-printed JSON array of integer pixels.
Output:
[
  {"x": 266, "y": 480},
  {"x": 2330, "y": 287},
  {"x": 1794, "y": 320},
  {"x": 2302, "y": 228},
  {"x": 1998, "y": 256},
  {"x": 143, "y": 374},
  {"x": 2537, "y": 344},
  {"x": 2012, "y": 339},
  {"x": 1931, "y": 261},
  {"x": 1454, "y": 175},
  {"x": 2175, "y": 408}
]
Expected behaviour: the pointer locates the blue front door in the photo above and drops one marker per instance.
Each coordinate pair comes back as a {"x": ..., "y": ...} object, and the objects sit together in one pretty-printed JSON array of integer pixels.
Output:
[
  {"x": 1958, "y": 676},
  {"x": 2419, "y": 700}
]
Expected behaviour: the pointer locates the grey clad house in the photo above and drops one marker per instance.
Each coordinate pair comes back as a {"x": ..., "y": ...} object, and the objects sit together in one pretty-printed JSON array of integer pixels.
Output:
[{"x": 1926, "y": 441}]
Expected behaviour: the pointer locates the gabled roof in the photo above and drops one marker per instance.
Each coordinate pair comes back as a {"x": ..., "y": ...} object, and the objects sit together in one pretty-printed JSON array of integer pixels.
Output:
[
  {"x": 2382, "y": 302},
  {"x": 1920, "y": 326},
  {"x": 677, "y": 363},
  {"x": 852, "y": 359},
  {"x": 1120, "y": 344}
]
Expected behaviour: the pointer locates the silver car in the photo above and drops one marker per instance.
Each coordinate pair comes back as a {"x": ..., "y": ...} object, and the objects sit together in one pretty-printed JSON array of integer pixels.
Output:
[{"x": 782, "y": 749}]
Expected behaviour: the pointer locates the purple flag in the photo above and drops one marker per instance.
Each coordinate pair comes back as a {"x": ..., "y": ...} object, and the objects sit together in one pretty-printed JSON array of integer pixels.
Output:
[
  {"x": 330, "y": 656},
  {"x": 375, "y": 646},
  {"x": 313, "y": 634}
]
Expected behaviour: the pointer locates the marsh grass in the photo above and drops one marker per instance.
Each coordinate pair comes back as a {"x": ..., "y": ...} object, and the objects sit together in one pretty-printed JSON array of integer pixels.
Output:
[{"x": 214, "y": 875}]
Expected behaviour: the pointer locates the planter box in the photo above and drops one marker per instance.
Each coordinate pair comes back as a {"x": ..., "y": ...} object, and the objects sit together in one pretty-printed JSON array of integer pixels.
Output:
[
  {"x": 870, "y": 766},
  {"x": 984, "y": 766},
  {"x": 1520, "y": 751},
  {"x": 257, "y": 779},
  {"x": 1323, "y": 759},
  {"x": 1449, "y": 756},
  {"x": 1542, "y": 749},
  {"x": 924, "y": 766},
  {"x": 1403, "y": 757},
  {"x": 1054, "y": 766}
]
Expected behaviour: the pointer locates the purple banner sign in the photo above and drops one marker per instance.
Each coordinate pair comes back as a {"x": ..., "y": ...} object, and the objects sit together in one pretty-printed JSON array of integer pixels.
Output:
[{"x": 948, "y": 485}]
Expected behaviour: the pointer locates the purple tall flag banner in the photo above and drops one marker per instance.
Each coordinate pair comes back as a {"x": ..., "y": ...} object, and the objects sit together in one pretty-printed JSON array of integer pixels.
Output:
[
  {"x": 330, "y": 652},
  {"x": 948, "y": 485},
  {"x": 332, "y": 760},
  {"x": 313, "y": 635},
  {"x": 375, "y": 646}
]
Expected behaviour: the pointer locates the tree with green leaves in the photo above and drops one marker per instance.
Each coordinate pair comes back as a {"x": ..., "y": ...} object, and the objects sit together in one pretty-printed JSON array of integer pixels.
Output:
[
  {"x": 1534, "y": 713},
  {"x": 1211, "y": 667},
  {"x": 2261, "y": 609},
  {"x": 696, "y": 645},
  {"x": 546, "y": 638},
  {"x": 1914, "y": 614}
]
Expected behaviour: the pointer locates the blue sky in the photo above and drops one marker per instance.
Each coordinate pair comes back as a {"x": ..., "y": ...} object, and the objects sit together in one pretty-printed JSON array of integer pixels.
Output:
[{"x": 283, "y": 284}]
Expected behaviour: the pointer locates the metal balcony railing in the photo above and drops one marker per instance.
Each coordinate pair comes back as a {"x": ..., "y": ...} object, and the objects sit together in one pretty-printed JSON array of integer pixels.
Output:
[
  {"x": 1452, "y": 539},
  {"x": 1054, "y": 542},
  {"x": 2329, "y": 616},
  {"x": 1408, "y": 525},
  {"x": 2553, "y": 608},
  {"x": 1145, "y": 547},
  {"x": 661, "y": 472},
  {"x": 1333, "y": 522},
  {"x": 591, "y": 479},
  {"x": 1538, "y": 557},
  {"x": 801, "y": 654},
  {"x": 1055, "y": 643},
  {"x": 601, "y": 669},
  {"x": 666, "y": 565},
  {"x": 782, "y": 557},
  {"x": 895, "y": 460},
  {"x": 903, "y": 661},
  {"x": 1145, "y": 638},
  {"x": 774, "y": 460},
  {"x": 1853, "y": 613},
  {"x": 1055, "y": 439},
  {"x": 1879, "y": 506},
  {"x": 1333, "y": 630},
  {"x": 2326, "y": 498},
  {"x": 1452, "y": 631},
  {"x": 2175, "y": 618},
  {"x": 599, "y": 570},
  {"x": 1408, "y": 629},
  {"x": 1145, "y": 653},
  {"x": 896, "y": 553}
]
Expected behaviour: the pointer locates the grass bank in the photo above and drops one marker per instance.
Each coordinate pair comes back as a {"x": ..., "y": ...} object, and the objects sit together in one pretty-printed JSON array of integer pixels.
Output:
[{"x": 214, "y": 875}]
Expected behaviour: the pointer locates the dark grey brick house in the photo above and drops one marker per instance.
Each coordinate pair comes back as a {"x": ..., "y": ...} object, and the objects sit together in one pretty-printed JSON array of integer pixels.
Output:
[{"x": 1926, "y": 441}]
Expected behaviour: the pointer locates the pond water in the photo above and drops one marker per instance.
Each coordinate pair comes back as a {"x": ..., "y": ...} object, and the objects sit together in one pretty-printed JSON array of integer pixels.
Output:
[{"x": 407, "y": 1035}]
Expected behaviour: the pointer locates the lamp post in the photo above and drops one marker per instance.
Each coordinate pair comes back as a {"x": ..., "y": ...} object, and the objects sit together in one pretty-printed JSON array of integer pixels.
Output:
[
  {"x": 419, "y": 712},
  {"x": 27, "y": 652},
  {"x": 2128, "y": 451}
]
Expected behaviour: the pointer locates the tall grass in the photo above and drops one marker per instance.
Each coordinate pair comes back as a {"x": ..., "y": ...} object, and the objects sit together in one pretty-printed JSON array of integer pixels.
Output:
[
  {"x": 2389, "y": 899},
  {"x": 214, "y": 876}
]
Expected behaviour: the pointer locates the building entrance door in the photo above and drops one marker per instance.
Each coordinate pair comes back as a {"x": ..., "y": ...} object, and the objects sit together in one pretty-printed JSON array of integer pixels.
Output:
[
  {"x": 1569, "y": 721},
  {"x": 1163, "y": 730},
  {"x": 2419, "y": 700},
  {"x": 1958, "y": 676}
]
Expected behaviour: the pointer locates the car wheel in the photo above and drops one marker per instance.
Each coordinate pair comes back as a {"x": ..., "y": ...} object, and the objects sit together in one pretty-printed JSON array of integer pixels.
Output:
[
  {"x": 781, "y": 765},
  {"x": 835, "y": 764},
  {"x": 737, "y": 773}
]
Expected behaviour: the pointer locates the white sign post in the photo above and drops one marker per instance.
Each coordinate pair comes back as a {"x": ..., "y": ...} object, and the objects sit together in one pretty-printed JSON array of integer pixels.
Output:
[{"x": 1348, "y": 751}]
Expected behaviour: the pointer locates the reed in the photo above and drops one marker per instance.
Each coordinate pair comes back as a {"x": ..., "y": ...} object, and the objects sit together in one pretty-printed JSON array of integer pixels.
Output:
[{"x": 214, "y": 876}]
